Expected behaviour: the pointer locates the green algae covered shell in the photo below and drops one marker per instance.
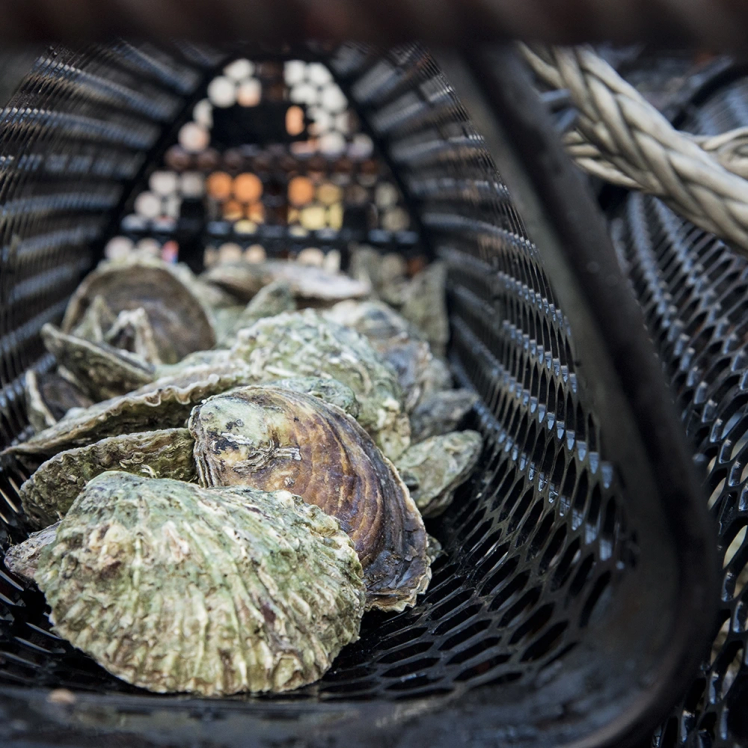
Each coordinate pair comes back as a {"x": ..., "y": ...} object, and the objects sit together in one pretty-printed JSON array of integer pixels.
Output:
[
  {"x": 306, "y": 344},
  {"x": 272, "y": 438},
  {"x": 329, "y": 390},
  {"x": 177, "y": 588},
  {"x": 437, "y": 466},
  {"x": 52, "y": 489},
  {"x": 165, "y": 403},
  {"x": 102, "y": 370}
]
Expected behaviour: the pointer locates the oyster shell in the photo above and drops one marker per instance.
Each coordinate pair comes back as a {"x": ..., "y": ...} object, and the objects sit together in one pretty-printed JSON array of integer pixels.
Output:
[
  {"x": 102, "y": 370},
  {"x": 173, "y": 587},
  {"x": 273, "y": 299},
  {"x": 180, "y": 322},
  {"x": 386, "y": 274},
  {"x": 132, "y": 331},
  {"x": 49, "y": 397},
  {"x": 434, "y": 468},
  {"x": 271, "y": 438},
  {"x": 305, "y": 344},
  {"x": 22, "y": 559},
  {"x": 440, "y": 413},
  {"x": 165, "y": 403},
  {"x": 312, "y": 284},
  {"x": 329, "y": 390},
  {"x": 96, "y": 320},
  {"x": 39, "y": 413},
  {"x": 376, "y": 320},
  {"x": 425, "y": 305},
  {"x": 398, "y": 342},
  {"x": 52, "y": 489}
]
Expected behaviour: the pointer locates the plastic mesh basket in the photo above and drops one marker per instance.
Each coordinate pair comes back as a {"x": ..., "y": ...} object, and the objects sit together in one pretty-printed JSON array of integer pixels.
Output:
[{"x": 115, "y": 146}]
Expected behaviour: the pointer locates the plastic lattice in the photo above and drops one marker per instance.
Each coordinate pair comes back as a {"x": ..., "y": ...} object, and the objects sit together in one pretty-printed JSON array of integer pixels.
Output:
[{"x": 537, "y": 540}]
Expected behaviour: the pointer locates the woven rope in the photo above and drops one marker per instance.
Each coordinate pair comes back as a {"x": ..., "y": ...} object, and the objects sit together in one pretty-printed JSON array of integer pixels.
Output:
[{"x": 623, "y": 139}]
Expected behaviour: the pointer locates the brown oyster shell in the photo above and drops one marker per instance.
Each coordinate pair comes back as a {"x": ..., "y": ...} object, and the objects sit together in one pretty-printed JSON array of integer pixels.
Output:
[
  {"x": 177, "y": 588},
  {"x": 180, "y": 322},
  {"x": 54, "y": 486},
  {"x": 271, "y": 438}
]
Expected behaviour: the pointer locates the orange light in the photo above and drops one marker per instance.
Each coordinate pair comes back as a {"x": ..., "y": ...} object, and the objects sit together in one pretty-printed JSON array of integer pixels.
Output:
[
  {"x": 247, "y": 188},
  {"x": 295, "y": 120},
  {"x": 219, "y": 185},
  {"x": 300, "y": 191}
]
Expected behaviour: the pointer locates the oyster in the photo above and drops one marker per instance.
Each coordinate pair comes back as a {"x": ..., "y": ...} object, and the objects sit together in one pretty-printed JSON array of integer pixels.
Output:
[
  {"x": 102, "y": 370},
  {"x": 434, "y": 468},
  {"x": 398, "y": 342},
  {"x": 22, "y": 559},
  {"x": 411, "y": 359},
  {"x": 165, "y": 403},
  {"x": 425, "y": 305},
  {"x": 271, "y": 438},
  {"x": 440, "y": 413},
  {"x": 376, "y": 320},
  {"x": 49, "y": 397},
  {"x": 180, "y": 322},
  {"x": 329, "y": 390},
  {"x": 173, "y": 587},
  {"x": 224, "y": 322},
  {"x": 386, "y": 274},
  {"x": 96, "y": 320},
  {"x": 132, "y": 331},
  {"x": 310, "y": 284},
  {"x": 273, "y": 299},
  {"x": 51, "y": 490},
  {"x": 39, "y": 413},
  {"x": 305, "y": 344}
]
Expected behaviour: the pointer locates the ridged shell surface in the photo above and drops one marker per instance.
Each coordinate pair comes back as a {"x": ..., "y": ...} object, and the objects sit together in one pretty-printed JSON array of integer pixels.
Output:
[
  {"x": 271, "y": 438},
  {"x": 305, "y": 344},
  {"x": 174, "y": 587},
  {"x": 54, "y": 486}
]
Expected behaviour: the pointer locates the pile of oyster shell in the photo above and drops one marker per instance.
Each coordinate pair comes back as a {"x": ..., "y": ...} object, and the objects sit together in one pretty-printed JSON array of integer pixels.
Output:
[{"x": 229, "y": 470}]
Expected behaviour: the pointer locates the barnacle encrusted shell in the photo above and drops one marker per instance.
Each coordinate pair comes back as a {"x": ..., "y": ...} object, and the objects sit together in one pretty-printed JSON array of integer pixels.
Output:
[
  {"x": 305, "y": 344},
  {"x": 52, "y": 489},
  {"x": 102, "y": 370},
  {"x": 440, "y": 413},
  {"x": 173, "y": 587},
  {"x": 180, "y": 322},
  {"x": 425, "y": 305},
  {"x": 165, "y": 403},
  {"x": 439, "y": 465},
  {"x": 22, "y": 559},
  {"x": 245, "y": 279},
  {"x": 329, "y": 390},
  {"x": 272, "y": 438}
]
